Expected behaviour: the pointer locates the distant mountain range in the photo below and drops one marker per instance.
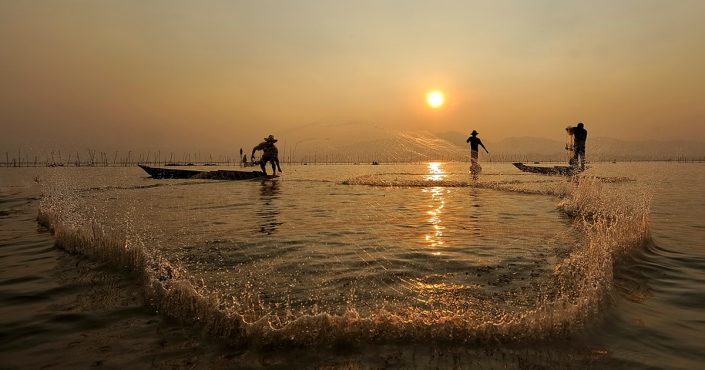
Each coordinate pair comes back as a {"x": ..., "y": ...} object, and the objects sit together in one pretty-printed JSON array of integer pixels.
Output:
[
  {"x": 381, "y": 145},
  {"x": 598, "y": 149},
  {"x": 366, "y": 143}
]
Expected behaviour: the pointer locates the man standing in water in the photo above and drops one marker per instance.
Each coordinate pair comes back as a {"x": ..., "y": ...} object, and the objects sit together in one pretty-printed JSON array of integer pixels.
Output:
[
  {"x": 579, "y": 137},
  {"x": 270, "y": 153},
  {"x": 475, "y": 143}
]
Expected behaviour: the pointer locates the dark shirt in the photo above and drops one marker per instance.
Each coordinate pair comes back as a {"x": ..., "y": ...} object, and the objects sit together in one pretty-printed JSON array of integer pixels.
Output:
[
  {"x": 268, "y": 149},
  {"x": 475, "y": 142},
  {"x": 580, "y": 135}
]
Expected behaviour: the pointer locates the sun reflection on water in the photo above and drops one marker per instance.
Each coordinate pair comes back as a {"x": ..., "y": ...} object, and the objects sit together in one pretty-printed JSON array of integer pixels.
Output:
[
  {"x": 435, "y": 172},
  {"x": 434, "y": 239}
]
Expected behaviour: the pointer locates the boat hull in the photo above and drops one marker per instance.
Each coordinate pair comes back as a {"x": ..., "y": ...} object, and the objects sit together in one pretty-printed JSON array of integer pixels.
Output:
[
  {"x": 170, "y": 173},
  {"x": 550, "y": 171}
]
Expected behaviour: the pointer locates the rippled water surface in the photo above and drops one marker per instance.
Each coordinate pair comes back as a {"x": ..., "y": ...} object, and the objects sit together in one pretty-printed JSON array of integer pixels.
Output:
[{"x": 403, "y": 256}]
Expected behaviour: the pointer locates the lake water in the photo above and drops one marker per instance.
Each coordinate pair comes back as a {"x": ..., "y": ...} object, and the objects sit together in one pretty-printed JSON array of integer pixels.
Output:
[{"x": 354, "y": 266}]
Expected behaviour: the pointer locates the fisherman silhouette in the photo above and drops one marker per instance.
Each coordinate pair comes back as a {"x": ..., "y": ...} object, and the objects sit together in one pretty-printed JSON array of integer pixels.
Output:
[
  {"x": 270, "y": 153},
  {"x": 580, "y": 136},
  {"x": 475, "y": 143}
]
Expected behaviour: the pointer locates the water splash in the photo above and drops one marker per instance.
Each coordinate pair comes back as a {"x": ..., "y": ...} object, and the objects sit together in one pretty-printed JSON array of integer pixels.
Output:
[
  {"x": 376, "y": 180},
  {"x": 570, "y": 299}
]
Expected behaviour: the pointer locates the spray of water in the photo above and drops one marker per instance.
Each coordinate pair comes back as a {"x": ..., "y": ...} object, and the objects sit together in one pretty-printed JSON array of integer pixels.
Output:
[{"x": 572, "y": 297}]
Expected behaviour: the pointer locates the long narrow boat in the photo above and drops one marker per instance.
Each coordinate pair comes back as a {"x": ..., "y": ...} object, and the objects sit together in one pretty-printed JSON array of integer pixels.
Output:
[
  {"x": 551, "y": 171},
  {"x": 172, "y": 173}
]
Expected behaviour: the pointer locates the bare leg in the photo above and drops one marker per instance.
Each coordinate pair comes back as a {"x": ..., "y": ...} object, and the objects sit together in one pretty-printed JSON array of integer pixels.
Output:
[
  {"x": 474, "y": 165},
  {"x": 580, "y": 157},
  {"x": 262, "y": 165},
  {"x": 274, "y": 167},
  {"x": 475, "y": 170}
]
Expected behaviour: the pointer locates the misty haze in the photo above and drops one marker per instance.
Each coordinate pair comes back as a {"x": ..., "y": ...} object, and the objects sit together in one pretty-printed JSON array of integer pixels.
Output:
[{"x": 352, "y": 184}]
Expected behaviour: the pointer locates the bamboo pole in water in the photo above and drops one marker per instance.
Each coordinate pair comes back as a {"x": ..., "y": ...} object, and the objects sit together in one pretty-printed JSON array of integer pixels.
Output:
[{"x": 91, "y": 157}]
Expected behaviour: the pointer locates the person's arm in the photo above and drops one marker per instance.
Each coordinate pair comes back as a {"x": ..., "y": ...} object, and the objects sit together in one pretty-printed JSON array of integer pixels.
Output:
[
  {"x": 468, "y": 140},
  {"x": 258, "y": 147},
  {"x": 483, "y": 146}
]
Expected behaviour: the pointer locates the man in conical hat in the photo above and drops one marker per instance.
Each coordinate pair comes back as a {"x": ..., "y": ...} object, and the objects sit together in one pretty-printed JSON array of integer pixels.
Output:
[
  {"x": 270, "y": 153},
  {"x": 475, "y": 144}
]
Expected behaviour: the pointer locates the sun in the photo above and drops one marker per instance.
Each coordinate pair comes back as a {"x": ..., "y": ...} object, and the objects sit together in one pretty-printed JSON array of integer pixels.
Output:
[{"x": 435, "y": 99}]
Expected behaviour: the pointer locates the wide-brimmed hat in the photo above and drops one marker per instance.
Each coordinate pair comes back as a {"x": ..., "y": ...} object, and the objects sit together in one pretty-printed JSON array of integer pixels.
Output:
[
  {"x": 473, "y": 133},
  {"x": 270, "y": 138}
]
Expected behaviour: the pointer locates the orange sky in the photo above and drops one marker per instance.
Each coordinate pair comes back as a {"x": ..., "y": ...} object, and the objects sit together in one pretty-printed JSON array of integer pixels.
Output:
[{"x": 208, "y": 75}]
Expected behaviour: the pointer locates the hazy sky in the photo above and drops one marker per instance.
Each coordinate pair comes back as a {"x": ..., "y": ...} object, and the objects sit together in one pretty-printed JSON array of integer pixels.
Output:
[{"x": 209, "y": 75}]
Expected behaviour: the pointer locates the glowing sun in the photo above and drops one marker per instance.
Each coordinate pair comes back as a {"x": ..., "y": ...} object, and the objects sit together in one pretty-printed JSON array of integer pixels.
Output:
[{"x": 435, "y": 99}]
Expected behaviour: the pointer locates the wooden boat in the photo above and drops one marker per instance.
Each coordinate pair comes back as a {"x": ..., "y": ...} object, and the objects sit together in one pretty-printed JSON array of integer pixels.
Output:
[
  {"x": 171, "y": 173},
  {"x": 551, "y": 171}
]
